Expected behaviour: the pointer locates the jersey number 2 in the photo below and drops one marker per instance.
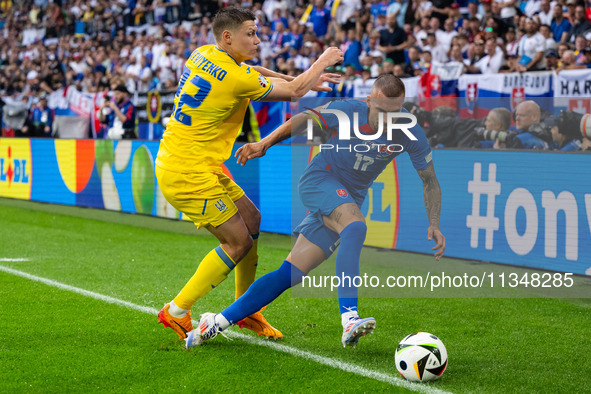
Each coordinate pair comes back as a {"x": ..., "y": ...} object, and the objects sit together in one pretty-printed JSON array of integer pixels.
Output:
[{"x": 191, "y": 101}]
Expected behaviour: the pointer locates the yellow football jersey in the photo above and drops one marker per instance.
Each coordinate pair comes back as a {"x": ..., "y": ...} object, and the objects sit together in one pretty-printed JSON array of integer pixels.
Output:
[{"x": 210, "y": 104}]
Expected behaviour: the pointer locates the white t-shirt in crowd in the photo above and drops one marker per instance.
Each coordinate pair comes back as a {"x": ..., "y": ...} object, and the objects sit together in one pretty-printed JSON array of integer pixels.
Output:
[
  {"x": 507, "y": 12},
  {"x": 491, "y": 64},
  {"x": 530, "y": 46},
  {"x": 445, "y": 37}
]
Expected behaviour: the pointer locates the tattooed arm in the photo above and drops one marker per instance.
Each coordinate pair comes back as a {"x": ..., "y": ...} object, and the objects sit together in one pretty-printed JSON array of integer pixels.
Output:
[{"x": 432, "y": 196}]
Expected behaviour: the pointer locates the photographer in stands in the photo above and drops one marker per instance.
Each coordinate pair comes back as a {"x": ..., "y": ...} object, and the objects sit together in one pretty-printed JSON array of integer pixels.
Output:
[
  {"x": 118, "y": 114},
  {"x": 532, "y": 132},
  {"x": 447, "y": 130},
  {"x": 572, "y": 131}
]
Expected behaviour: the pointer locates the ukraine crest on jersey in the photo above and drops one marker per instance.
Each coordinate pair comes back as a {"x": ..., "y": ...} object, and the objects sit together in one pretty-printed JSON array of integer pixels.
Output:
[{"x": 209, "y": 107}]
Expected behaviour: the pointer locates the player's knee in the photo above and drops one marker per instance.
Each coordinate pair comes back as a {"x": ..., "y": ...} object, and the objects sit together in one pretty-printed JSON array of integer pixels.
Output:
[
  {"x": 356, "y": 230},
  {"x": 255, "y": 221},
  {"x": 245, "y": 246},
  {"x": 238, "y": 247}
]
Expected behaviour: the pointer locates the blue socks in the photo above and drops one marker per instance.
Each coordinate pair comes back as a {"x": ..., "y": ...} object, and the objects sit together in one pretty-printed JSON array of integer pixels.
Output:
[
  {"x": 352, "y": 239},
  {"x": 270, "y": 286},
  {"x": 263, "y": 291}
]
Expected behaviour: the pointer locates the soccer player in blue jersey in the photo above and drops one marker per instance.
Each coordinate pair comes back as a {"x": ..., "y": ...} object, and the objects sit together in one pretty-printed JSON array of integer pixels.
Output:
[{"x": 332, "y": 188}]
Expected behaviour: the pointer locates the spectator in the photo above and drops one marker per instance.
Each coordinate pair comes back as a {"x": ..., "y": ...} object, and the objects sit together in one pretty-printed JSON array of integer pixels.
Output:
[
  {"x": 551, "y": 59},
  {"x": 473, "y": 29},
  {"x": 40, "y": 119},
  {"x": 362, "y": 86},
  {"x": 587, "y": 57},
  {"x": 280, "y": 41},
  {"x": 423, "y": 9},
  {"x": 546, "y": 13},
  {"x": 414, "y": 59},
  {"x": 546, "y": 32},
  {"x": 320, "y": 19},
  {"x": 567, "y": 61},
  {"x": 426, "y": 60},
  {"x": 531, "y": 48},
  {"x": 492, "y": 62},
  {"x": 441, "y": 9},
  {"x": 420, "y": 31},
  {"x": 399, "y": 71},
  {"x": 438, "y": 52},
  {"x": 379, "y": 7},
  {"x": 445, "y": 36},
  {"x": 302, "y": 61},
  {"x": 278, "y": 19},
  {"x": 388, "y": 66},
  {"x": 562, "y": 47},
  {"x": 512, "y": 45},
  {"x": 455, "y": 55},
  {"x": 398, "y": 9},
  {"x": 508, "y": 11},
  {"x": 118, "y": 114},
  {"x": 580, "y": 44},
  {"x": 393, "y": 41},
  {"x": 346, "y": 11},
  {"x": 531, "y": 7},
  {"x": 510, "y": 65},
  {"x": 560, "y": 26},
  {"x": 571, "y": 7},
  {"x": 475, "y": 53},
  {"x": 580, "y": 26},
  {"x": 472, "y": 11},
  {"x": 352, "y": 49}
]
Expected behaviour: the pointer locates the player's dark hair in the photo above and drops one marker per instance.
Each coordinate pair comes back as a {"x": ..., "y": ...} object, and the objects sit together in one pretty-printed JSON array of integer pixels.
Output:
[
  {"x": 230, "y": 18},
  {"x": 389, "y": 85}
]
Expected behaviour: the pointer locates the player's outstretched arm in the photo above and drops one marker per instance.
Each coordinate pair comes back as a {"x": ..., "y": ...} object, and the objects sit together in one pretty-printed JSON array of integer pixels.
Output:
[
  {"x": 272, "y": 74},
  {"x": 258, "y": 149},
  {"x": 432, "y": 196},
  {"x": 325, "y": 77},
  {"x": 285, "y": 91}
]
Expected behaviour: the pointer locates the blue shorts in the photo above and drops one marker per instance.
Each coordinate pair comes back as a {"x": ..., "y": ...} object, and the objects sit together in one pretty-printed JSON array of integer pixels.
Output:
[{"x": 321, "y": 193}]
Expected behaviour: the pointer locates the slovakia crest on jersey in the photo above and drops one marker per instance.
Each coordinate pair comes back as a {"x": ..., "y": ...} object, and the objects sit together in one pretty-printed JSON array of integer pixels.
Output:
[
  {"x": 517, "y": 96},
  {"x": 342, "y": 193},
  {"x": 471, "y": 96}
]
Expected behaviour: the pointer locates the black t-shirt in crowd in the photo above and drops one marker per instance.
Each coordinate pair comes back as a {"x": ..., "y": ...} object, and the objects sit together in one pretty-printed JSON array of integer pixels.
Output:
[{"x": 396, "y": 37}]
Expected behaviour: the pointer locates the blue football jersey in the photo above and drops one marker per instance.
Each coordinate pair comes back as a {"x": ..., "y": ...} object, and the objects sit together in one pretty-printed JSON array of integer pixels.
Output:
[{"x": 356, "y": 163}]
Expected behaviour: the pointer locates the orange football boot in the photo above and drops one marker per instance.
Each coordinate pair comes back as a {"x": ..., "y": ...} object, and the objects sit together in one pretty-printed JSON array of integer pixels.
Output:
[
  {"x": 257, "y": 323},
  {"x": 180, "y": 325}
]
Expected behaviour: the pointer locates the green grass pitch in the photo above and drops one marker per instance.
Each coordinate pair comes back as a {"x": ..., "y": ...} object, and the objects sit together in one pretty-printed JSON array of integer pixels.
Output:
[{"x": 56, "y": 340}]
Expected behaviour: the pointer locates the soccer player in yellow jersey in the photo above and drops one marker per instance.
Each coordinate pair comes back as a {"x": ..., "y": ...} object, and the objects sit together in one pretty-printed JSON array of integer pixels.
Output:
[{"x": 212, "y": 97}]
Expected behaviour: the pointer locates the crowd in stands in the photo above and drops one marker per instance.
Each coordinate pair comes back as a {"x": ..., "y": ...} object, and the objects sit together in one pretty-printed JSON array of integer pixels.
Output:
[{"x": 97, "y": 45}]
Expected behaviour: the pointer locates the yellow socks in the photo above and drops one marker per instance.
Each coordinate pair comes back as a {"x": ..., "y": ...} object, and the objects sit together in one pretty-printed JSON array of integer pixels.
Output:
[
  {"x": 246, "y": 269},
  {"x": 212, "y": 270}
]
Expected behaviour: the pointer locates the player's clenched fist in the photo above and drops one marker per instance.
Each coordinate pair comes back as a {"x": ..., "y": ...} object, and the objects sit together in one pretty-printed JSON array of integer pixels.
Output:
[{"x": 332, "y": 56}]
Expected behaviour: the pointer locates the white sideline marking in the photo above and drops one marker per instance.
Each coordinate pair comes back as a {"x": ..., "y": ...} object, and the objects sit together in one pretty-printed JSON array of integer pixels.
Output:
[
  {"x": 331, "y": 362},
  {"x": 7, "y": 259}
]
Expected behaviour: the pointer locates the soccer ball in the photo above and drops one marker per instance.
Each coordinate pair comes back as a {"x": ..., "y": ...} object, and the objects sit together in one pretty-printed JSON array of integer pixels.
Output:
[{"x": 421, "y": 357}]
